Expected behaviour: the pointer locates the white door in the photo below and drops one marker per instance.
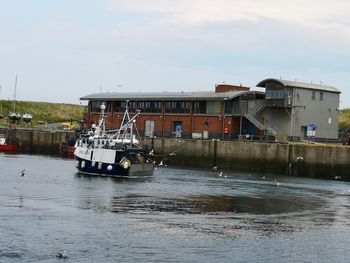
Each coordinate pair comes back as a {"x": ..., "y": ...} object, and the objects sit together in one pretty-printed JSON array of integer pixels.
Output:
[{"x": 149, "y": 128}]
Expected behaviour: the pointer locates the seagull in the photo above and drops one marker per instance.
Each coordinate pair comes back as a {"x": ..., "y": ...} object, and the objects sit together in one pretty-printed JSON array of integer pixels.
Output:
[
  {"x": 62, "y": 254},
  {"x": 161, "y": 163},
  {"x": 263, "y": 177},
  {"x": 151, "y": 152},
  {"x": 220, "y": 174},
  {"x": 299, "y": 158},
  {"x": 22, "y": 172},
  {"x": 215, "y": 168},
  {"x": 277, "y": 184}
]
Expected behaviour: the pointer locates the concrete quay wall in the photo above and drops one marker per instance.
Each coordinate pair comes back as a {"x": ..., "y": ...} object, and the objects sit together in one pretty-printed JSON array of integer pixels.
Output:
[
  {"x": 40, "y": 141},
  {"x": 307, "y": 160}
]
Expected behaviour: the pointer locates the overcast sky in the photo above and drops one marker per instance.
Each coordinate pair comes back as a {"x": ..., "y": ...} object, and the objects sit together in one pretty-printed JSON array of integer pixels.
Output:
[{"x": 65, "y": 49}]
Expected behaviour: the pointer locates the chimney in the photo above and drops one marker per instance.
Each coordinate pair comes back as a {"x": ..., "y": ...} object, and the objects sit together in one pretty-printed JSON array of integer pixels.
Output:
[{"x": 220, "y": 88}]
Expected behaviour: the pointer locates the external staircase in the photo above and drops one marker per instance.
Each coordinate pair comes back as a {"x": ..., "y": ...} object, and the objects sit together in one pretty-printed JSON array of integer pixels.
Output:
[{"x": 252, "y": 117}]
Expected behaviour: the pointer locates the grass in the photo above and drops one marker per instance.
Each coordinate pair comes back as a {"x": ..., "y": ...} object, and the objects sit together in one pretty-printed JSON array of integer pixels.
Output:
[
  {"x": 344, "y": 119},
  {"x": 61, "y": 112},
  {"x": 45, "y": 111}
]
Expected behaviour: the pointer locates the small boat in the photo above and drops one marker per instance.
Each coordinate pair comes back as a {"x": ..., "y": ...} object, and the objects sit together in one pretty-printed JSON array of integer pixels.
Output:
[
  {"x": 116, "y": 154},
  {"x": 14, "y": 116},
  {"x": 9, "y": 143},
  {"x": 27, "y": 118},
  {"x": 66, "y": 148}
]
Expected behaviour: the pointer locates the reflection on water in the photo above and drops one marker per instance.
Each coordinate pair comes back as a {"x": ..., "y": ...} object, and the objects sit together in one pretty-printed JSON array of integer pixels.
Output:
[{"x": 176, "y": 216}]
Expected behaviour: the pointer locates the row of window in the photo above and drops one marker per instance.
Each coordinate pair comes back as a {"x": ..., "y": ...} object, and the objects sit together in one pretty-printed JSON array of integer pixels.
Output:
[
  {"x": 279, "y": 94},
  {"x": 152, "y": 106},
  {"x": 313, "y": 96},
  {"x": 275, "y": 94}
]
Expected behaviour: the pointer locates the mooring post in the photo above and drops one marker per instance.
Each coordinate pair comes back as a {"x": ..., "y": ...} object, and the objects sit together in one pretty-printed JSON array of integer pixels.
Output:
[{"x": 215, "y": 151}]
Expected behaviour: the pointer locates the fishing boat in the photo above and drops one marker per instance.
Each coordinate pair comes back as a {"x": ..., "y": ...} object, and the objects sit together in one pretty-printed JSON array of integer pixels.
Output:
[
  {"x": 9, "y": 142},
  {"x": 118, "y": 153}
]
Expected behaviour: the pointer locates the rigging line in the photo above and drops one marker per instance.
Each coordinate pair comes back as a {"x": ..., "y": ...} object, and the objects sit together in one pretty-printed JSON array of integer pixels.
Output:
[{"x": 171, "y": 153}]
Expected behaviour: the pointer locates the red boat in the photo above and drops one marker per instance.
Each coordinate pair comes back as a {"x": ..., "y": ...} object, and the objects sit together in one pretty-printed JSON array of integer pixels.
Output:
[
  {"x": 8, "y": 147},
  {"x": 66, "y": 151}
]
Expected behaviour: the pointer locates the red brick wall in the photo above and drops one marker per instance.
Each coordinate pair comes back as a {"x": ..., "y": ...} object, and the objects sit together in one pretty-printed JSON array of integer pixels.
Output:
[{"x": 225, "y": 88}]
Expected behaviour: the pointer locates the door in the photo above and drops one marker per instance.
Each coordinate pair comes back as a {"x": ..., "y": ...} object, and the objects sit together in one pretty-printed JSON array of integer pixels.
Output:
[
  {"x": 303, "y": 130},
  {"x": 149, "y": 128},
  {"x": 177, "y": 129}
]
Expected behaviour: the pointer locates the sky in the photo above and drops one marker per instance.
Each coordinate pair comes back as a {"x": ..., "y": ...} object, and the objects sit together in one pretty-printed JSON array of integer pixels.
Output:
[{"x": 62, "y": 50}]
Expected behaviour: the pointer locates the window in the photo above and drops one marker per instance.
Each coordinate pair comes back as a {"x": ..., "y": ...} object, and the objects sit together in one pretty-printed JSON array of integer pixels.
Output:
[
  {"x": 120, "y": 106},
  {"x": 150, "y": 106},
  {"x": 149, "y": 128},
  {"x": 313, "y": 95},
  {"x": 228, "y": 107},
  {"x": 199, "y": 107},
  {"x": 177, "y": 107},
  {"x": 321, "y": 96},
  {"x": 275, "y": 94},
  {"x": 132, "y": 106},
  {"x": 96, "y": 105}
]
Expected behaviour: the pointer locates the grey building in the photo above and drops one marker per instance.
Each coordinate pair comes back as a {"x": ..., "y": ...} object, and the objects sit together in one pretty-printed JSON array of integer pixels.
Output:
[{"x": 293, "y": 107}]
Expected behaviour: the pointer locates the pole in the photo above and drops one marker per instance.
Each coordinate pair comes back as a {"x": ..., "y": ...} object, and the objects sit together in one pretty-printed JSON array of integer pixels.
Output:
[
  {"x": 14, "y": 98},
  {"x": 0, "y": 102},
  {"x": 240, "y": 127}
]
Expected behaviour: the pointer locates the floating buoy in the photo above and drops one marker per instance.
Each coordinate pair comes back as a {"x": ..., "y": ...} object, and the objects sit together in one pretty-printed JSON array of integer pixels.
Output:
[
  {"x": 82, "y": 165},
  {"x": 77, "y": 164},
  {"x": 99, "y": 166},
  {"x": 109, "y": 167},
  {"x": 93, "y": 163}
]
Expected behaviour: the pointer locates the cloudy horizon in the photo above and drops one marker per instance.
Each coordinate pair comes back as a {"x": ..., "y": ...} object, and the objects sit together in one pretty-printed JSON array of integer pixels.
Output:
[{"x": 63, "y": 50}]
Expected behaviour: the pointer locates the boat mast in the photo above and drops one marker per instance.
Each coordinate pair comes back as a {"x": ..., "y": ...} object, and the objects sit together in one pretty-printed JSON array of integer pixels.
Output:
[
  {"x": 14, "y": 98},
  {"x": 0, "y": 102}
]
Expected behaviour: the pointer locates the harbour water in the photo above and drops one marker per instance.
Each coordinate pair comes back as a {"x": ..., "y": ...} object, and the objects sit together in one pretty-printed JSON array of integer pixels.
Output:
[{"x": 176, "y": 216}]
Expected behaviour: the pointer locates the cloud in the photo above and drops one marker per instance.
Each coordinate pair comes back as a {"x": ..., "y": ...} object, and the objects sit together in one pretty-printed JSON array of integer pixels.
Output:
[{"x": 308, "y": 12}]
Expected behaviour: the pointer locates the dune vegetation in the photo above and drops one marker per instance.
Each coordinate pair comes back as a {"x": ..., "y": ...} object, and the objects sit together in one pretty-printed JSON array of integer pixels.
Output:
[
  {"x": 44, "y": 112},
  {"x": 344, "y": 119}
]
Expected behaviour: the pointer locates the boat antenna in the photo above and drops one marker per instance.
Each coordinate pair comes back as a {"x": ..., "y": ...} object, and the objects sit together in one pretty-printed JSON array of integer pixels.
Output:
[
  {"x": 14, "y": 97},
  {"x": 0, "y": 102}
]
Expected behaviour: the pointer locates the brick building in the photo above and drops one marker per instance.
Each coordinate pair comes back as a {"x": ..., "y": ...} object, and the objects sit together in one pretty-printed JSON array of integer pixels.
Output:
[{"x": 222, "y": 114}]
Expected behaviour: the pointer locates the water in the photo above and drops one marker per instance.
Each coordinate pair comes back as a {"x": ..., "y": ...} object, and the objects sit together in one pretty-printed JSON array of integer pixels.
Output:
[{"x": 176, "y": 216}]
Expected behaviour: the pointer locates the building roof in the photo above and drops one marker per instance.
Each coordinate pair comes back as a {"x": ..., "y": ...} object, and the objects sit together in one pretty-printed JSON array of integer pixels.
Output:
[
  {"x": 162, "y": 96},
  {"x": 295, "y": 84}
]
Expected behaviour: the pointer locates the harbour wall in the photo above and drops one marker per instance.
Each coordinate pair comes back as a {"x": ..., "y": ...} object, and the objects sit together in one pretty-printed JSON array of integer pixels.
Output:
[
  {"x": 41, "y": 141},
  {"x": 306, "y": 160}
]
